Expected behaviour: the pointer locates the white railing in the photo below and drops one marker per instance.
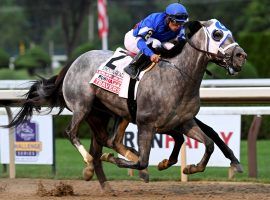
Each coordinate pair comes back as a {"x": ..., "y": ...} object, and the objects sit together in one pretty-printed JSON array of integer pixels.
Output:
[
  {"x": 236, "y": 83},
  {"x": 230, "y": 94},
  {"x": 240, "y": 90},
  {"x": 15, "y": 84}
]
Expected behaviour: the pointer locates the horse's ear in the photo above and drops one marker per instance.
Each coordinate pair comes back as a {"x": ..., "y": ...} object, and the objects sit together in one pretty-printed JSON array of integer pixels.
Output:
[
  {"x": 192, "y": 27},
  {"x": 206, "y": 23}
]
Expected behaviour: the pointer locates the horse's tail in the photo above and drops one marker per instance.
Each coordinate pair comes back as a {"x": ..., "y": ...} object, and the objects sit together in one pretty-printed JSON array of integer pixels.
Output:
[{"x": 43, "y": 92}]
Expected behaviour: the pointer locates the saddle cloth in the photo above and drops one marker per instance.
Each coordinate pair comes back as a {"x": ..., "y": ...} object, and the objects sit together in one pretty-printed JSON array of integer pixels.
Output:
[{"x": 111, "y": 76}]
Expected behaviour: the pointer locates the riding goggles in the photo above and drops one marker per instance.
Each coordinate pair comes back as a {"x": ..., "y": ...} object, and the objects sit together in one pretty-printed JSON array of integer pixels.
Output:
[{"x": 179, "y": 17}]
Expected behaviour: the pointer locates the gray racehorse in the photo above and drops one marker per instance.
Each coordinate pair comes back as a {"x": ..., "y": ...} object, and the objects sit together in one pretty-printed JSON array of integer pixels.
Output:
[{"x": 167, "y": 96}]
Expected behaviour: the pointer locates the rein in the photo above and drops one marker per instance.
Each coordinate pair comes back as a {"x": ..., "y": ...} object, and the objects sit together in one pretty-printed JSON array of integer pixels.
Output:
[{"x": 201, "y": 50}]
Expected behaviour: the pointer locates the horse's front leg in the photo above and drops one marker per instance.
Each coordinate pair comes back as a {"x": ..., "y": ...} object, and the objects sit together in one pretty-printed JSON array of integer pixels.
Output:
[
  {"x": 178, "y": 141},
  {"x": 98, "y": 125},
  {"x": 192, "y": 130},
  {"x": 228, "y": 153},
  {"x": 96, "y": 151}
]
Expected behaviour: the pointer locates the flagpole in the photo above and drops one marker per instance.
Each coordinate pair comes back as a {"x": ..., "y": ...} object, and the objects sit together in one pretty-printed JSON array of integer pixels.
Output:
[
  {"x": 105, "y": 42},
  {"x": 103, "y": 25}
]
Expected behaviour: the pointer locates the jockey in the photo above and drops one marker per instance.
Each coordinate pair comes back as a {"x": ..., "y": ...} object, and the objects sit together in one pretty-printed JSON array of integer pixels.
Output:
[{"x": 156, "y": 28}]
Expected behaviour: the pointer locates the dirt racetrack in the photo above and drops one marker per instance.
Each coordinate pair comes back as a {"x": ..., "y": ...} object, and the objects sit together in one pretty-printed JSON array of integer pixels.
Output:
[{"x": 26, "y": 189}]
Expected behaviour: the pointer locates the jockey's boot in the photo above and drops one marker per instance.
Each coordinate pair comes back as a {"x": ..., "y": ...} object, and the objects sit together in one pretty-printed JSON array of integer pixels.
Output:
[{"x": 139, "y": 62}]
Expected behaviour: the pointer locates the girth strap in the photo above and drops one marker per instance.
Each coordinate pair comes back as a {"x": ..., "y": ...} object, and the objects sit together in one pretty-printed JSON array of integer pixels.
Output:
[{"x": 132, "y": 104}]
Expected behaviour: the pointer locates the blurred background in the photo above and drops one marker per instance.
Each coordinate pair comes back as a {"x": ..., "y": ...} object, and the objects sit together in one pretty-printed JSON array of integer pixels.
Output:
[{"x": 40, "y": 36}]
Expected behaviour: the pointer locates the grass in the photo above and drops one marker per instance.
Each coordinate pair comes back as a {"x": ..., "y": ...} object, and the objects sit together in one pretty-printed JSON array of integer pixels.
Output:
[{"x": 69, "y": 165}]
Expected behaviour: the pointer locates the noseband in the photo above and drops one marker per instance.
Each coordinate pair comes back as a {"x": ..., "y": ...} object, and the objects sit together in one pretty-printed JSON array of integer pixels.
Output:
[{"x": 221, "y": 55}]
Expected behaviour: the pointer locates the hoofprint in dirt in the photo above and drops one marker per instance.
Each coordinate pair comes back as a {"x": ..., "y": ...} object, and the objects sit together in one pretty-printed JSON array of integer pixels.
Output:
[{"x": 12, "y": 189}]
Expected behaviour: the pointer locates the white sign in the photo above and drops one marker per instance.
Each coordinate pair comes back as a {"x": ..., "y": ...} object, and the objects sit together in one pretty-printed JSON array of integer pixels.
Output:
[
  {"x": 227, "y": 127},
  {"x": 33, "y": 141}
]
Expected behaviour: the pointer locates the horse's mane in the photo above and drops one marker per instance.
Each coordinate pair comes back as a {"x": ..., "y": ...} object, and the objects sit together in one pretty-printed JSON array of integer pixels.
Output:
[{"x": 191, "y": 28}]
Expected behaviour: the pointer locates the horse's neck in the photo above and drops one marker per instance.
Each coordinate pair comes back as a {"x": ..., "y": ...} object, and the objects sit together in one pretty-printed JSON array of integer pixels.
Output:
[{"x": 192, "y": 63}]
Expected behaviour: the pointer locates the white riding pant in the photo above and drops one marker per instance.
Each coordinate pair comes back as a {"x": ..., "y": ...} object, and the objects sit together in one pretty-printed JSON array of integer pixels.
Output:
[{"x": 130, "y": 42}]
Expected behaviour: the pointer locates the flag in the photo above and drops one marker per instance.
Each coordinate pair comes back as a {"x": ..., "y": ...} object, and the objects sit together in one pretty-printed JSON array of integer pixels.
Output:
[{"x": 103, "y": 25}]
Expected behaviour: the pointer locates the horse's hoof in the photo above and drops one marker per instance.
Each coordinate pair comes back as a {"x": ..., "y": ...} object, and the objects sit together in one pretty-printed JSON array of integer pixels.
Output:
[
  {"x": 144, "y": 175},
  {"x": 88, "y": 173},
  {"x": 192, "y": 169},
  {"x": 164, "y": 164},
  {"x": 106, "y": 188},
  {"x": 106, "y": 156},
  {"x": 186, "y": 170},
  {"x": 237, "y": 167}
]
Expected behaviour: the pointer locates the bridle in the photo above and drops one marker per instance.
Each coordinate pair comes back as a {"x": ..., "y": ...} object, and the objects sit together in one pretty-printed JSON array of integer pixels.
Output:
[{"x": 221, "y": 58}]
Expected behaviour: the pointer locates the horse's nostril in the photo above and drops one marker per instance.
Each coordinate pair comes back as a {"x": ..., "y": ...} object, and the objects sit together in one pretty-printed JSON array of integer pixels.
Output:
[{"x": 241, "y": 55}]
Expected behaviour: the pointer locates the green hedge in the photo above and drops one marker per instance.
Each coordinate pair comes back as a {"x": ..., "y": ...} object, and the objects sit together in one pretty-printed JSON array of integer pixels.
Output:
[
  {"x": 264, "y": 130},
  {"x": 61, "y": 123},
  {"x": 7, "y": 74},
  {"x": 4, "y": 59},
  {"x": 257, "y": 46},
  {"x": 34, "y": 58},
  {"x": 25, "y": 62}
]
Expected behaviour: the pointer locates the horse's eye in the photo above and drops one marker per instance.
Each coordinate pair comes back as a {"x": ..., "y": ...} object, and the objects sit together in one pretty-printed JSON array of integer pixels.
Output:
[{"x": 217, "y": 35}]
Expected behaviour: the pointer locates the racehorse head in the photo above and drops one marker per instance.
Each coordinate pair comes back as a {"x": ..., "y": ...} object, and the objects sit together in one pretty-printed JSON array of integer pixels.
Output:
[{"x": 220, "y": 45}]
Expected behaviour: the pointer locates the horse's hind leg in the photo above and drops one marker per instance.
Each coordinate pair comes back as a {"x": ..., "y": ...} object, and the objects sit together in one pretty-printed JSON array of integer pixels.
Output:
[
  {"x": 145, "y": 135},
  {"x": 116, "y": 142},
  {"x": 192, "y": 130},
  {"x": 178, "y": 141},
  {"x": 228, "y": 153},
  {"x": 72, "y": 134},
  {"x": 132, "y": 154}
]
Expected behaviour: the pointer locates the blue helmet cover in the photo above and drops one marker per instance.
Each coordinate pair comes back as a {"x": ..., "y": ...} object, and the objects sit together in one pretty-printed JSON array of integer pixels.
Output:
[{"x": 177, "y": 12}]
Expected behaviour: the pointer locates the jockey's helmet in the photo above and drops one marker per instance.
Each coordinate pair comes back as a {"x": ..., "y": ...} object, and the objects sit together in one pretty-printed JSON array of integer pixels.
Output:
[{"x": 177, "y": 12}]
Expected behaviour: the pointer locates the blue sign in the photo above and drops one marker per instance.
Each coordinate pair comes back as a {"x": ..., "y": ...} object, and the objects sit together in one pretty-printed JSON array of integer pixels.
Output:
[{"x": 26, "y": 137}]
